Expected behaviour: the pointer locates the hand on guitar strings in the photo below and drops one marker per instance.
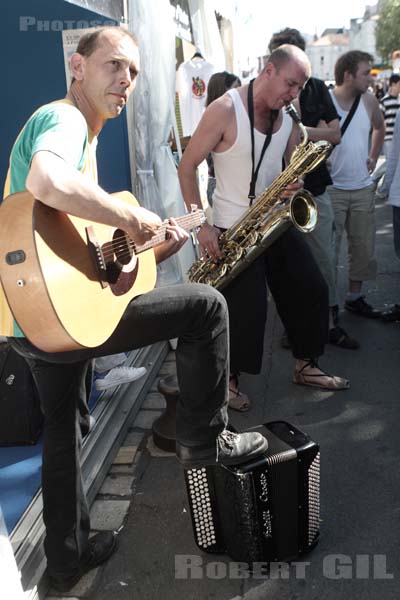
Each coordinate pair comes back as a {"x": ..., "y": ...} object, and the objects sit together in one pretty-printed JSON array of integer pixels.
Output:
[
  {"x": 175, "y": 236},
  {"x": 144, "y": 225}
]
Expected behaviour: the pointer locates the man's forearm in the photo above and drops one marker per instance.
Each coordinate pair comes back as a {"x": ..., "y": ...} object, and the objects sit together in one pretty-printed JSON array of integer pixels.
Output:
[
  {"x": 59, "y": 185},
  {"x": 324, "y": 133},
  {"x": 189, "y": 188},
  {"x": 377, "y": 138},
  {"x": 64, "y": 188}
]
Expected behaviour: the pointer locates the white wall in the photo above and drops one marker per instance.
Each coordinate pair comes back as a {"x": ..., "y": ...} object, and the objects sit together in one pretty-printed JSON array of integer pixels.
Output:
[
  {"x": 362, "y": 37},
  {"x": 323, "y": 59}
]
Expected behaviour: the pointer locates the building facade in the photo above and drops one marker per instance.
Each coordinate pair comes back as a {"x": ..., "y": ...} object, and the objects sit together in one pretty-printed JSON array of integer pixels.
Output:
[{"x": 324, "y": 52}]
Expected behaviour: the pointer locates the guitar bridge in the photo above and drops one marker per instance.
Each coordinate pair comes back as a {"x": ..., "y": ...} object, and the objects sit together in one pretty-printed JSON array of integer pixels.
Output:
[{"x": 97, "y": 256}]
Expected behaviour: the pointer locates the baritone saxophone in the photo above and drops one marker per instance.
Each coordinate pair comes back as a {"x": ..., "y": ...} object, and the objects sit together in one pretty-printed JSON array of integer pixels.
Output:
[{"x": 268, "y": 217}]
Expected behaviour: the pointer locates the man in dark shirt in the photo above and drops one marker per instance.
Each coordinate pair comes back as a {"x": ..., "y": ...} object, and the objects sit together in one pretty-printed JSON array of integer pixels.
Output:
[{"x": 319, "y": 116}]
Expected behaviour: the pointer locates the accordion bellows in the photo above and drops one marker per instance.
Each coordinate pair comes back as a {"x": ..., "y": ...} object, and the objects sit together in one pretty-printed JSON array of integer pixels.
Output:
[{"x": 263, "y": 510}]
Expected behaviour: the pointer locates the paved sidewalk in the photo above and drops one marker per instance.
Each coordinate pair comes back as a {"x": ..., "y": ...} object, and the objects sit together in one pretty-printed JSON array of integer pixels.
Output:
[{"x": 357, "y": 556}]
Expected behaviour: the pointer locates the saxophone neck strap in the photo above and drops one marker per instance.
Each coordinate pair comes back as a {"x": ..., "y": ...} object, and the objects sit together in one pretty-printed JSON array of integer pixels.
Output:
[{"x": 267, "y": 141}]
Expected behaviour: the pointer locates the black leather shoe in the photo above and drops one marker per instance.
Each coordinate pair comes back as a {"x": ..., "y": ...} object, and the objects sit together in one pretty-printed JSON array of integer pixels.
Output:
[
  {"x": 230, "y": 449},
  {"x": 391, "y": 314},
  {"x": 362, "y": 308},
  {"x": 339, "y": 337},
  {"x": 100, "y": 547}
]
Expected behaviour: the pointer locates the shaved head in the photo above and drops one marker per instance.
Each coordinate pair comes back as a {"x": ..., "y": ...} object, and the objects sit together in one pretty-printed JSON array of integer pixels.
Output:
[
  {"x": 284, "y": 76},
  {"x": 289, "y": 53}
]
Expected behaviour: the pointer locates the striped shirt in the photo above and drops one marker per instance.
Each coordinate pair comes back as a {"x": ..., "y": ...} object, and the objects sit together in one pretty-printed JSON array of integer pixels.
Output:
[{"x": 389, "y": 106}]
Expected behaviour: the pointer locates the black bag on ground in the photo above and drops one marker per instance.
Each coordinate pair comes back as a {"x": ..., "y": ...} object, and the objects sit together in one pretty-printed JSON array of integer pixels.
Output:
[{"x": 21, "y": 419}]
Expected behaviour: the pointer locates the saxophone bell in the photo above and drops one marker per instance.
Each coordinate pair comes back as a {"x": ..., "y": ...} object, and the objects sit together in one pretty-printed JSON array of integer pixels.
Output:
[{"x": 303, "y": 211}]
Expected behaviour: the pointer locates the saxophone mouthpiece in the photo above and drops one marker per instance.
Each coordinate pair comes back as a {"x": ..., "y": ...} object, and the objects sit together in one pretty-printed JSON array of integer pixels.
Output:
[{"x": 290, "y": 109}]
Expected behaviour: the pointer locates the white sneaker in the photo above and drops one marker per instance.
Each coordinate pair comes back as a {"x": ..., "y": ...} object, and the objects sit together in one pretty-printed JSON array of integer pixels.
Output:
[{"x": 119, "y": 375}]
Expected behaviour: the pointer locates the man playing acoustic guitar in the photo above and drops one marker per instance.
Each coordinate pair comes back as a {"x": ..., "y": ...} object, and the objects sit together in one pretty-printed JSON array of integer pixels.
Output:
[{"x": 54, "y": 159}]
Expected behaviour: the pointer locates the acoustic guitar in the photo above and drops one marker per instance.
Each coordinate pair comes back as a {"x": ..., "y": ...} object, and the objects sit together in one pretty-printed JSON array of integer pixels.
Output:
[{"x": 68, "y": 280}]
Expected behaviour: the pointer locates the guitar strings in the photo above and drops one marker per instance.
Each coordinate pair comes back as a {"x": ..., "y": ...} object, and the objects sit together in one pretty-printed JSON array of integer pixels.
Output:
[{"x": 116, "y": 246}]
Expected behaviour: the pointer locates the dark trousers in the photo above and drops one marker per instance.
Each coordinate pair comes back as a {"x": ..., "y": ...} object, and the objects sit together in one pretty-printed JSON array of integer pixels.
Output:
[
  {"x": 396, "y": 230},
  {"x": 301, "y": 297},
  {"x": 300, "y": 292},
  {"x": 194, "y": 313}
]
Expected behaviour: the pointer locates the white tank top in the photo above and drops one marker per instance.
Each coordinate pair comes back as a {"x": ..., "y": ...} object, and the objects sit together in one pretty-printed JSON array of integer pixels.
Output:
[
  {"x": 233, "y": 166},
  {"x": 348, "y": 160}
]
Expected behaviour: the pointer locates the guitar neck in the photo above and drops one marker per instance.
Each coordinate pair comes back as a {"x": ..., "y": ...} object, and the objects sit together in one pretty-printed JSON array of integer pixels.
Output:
[{"x": 187, "y": 222}]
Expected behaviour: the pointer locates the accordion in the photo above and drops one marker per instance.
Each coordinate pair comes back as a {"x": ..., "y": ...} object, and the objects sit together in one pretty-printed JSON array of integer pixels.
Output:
[{"x": 264, "y": 510}]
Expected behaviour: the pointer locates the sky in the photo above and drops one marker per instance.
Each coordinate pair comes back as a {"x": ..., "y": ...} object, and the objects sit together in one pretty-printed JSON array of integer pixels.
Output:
[{"x": 264, "y": 17}]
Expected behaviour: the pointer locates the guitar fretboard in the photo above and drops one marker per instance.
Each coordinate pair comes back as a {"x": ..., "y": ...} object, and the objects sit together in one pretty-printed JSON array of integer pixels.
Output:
[
  {"x": 187, "y": 222},
  {"x": 125, "y": 245}
]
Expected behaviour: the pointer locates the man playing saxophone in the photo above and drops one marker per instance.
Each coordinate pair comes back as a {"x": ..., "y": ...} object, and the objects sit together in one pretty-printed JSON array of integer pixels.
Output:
[{"x": 249, "y": 135}]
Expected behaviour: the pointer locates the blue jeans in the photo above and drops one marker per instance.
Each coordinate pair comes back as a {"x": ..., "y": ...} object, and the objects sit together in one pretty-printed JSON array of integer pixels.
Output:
[{"x": 197, "y": 315}]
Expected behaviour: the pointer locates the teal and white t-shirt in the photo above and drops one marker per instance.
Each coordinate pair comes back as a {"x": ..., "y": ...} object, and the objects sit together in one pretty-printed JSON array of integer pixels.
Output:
[{"x": 59, "y": 128}]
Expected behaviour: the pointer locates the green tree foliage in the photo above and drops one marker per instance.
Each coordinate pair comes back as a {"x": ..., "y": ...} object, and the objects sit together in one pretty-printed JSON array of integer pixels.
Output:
[{"x": 388, "y": 27}]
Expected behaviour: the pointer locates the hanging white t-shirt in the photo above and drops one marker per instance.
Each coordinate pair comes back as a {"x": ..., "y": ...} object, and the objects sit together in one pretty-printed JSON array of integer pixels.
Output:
[{"x": 191, "y": 84}]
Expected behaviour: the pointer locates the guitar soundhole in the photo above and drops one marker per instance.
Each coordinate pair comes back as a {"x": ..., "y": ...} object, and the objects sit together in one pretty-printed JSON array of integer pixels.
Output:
[
  {"x": 123, "y": 267},
  {"x": 123, "y": 251}
]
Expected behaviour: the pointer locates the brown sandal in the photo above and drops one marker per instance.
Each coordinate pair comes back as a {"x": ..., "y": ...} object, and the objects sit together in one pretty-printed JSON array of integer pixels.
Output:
[
  {"x": 331, "y": 382},
  {"x": 237, "y": 400}
]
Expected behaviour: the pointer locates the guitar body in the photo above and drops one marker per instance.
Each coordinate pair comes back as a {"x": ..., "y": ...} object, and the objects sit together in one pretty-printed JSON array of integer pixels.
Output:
[{"x": 53, "y": 285}]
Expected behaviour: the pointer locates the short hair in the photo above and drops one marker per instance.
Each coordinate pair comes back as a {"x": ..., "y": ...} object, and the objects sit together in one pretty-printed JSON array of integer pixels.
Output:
[
  {"x": 219, "y": 83},
  {"x": 349, "y": 62},
  {"x": 287, "y": 36},
  {"x": 394, "y": 78},
  {"x": 280, "y": 56},
  {"x": 89, "y": 42}
]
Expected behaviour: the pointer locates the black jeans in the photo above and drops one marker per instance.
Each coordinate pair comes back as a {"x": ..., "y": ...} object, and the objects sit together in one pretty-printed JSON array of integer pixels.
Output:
[
  {"x": 301, "y": 297},
  {"x": 197, "y": 315},
  {"x": 300, "y": 293}
]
